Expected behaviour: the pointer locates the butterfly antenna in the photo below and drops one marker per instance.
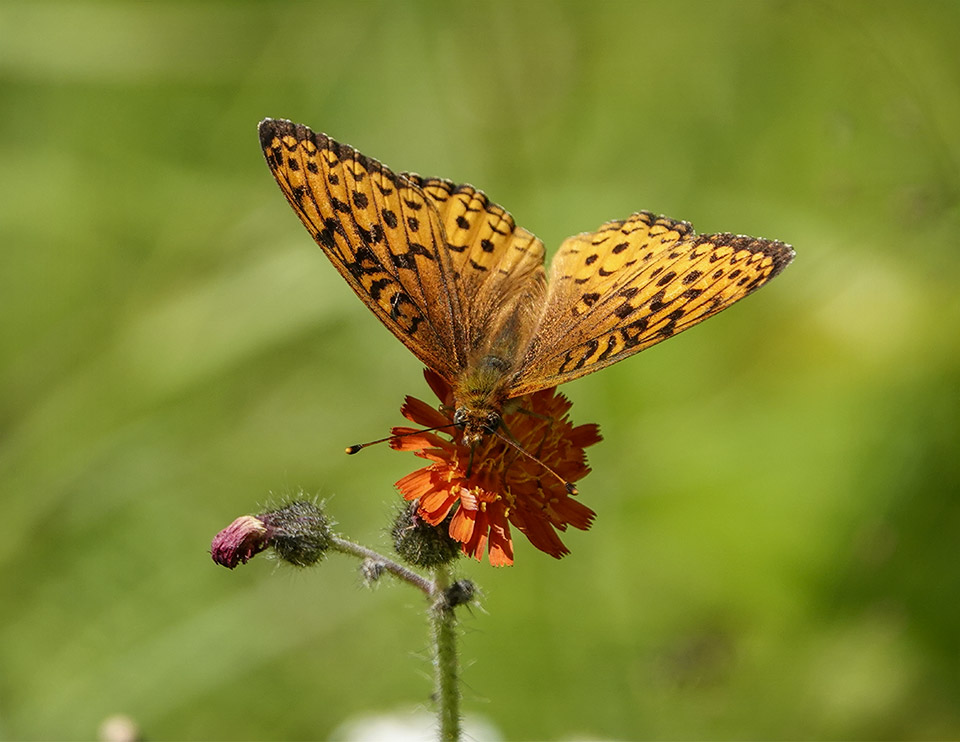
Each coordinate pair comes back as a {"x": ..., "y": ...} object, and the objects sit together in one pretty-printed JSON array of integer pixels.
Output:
[
  {"x": 360, "y": 446},
  {"x": 570, "y": 486}
]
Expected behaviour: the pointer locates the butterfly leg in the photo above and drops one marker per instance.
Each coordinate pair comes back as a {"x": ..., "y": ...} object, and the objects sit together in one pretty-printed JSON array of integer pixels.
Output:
[
  {"x": 470, "y": 463},
  {"x": 531, "y": 413}
]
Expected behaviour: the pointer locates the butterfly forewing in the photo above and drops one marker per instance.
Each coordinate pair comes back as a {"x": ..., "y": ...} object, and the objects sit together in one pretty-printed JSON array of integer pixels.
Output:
[
  {"x": 380, "y": 231},
  {"x": 632, "y": 284}
]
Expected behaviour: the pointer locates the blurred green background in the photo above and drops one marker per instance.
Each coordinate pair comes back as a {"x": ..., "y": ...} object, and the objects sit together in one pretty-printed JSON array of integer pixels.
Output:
[{"x": 775, "y": 553}]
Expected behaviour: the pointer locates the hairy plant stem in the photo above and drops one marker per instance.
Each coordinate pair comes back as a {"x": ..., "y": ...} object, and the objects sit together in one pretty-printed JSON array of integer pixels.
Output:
[
  {"x": 443, "y": 623},
  {"x": 446, "y": 663},
  {"x": 397, "y": 570}
]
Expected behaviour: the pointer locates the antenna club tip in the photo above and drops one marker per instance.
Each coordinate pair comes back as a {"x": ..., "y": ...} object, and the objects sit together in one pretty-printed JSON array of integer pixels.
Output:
[
  {"x": 572, "y": 488},
  {"x": 350, "y": 450}
]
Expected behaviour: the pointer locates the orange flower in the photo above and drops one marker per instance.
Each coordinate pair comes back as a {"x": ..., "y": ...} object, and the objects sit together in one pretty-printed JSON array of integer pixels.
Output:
[{"x": 503, "y": 485}]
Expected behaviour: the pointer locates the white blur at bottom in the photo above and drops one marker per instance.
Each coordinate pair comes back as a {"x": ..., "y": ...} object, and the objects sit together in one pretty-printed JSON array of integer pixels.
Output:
[{"x": 414, "y": 726}]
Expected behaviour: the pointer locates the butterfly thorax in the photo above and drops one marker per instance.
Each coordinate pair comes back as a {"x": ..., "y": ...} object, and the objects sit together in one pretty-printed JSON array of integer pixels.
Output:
[
  {"x": 483, "y": 386},
  {"x": 479, "y": 394}
]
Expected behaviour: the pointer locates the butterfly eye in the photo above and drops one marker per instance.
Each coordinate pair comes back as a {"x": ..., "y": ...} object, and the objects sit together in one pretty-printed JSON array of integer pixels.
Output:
[
  {"x": 460, "y": 418},
  {"x": 492, "y": 423}
]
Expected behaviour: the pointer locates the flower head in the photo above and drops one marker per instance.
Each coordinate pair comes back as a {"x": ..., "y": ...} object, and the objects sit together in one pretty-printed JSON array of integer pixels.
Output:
[{"x": 494, "y": 485}]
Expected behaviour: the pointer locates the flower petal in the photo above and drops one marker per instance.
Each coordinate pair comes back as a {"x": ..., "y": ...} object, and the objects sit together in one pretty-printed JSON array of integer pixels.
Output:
[
  {"x": 421, "y": 413},
  {"x": 585, "y": 435},
  {"x": 501, "y": 547},
  {"x": 410, "y": 439},
  {"x": 474, "y": 526}
]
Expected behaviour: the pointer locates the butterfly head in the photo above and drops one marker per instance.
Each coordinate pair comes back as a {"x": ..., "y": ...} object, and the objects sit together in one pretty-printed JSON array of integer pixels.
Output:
[{"x": 476, "y": 423}]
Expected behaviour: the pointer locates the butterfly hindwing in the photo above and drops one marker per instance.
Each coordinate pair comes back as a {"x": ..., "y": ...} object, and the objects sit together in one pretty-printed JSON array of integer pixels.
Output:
[
  {"x": 632, "y": 284},
  {"x": 498, "y": 266},
  {"x": 381, "y": 232}
]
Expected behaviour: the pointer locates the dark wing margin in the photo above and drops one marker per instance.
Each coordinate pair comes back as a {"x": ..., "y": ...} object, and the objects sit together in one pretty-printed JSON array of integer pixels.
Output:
[{"x": 381, "y": 233}]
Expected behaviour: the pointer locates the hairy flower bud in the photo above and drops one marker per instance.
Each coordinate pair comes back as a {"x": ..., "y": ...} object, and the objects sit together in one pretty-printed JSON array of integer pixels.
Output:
[
  {"x": 301, "y": 533},
  {"x": 459, "y": 593},
  {"x": 421, "y": 544},
  {"x": 298, "y": 532}
]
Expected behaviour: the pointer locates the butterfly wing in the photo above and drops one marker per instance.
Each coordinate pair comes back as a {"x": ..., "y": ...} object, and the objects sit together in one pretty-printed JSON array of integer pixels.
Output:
[
  {"x": 633, "y": 283},
  {"x": 380, "y": 231},
  {"x": 498, "y": 268}
]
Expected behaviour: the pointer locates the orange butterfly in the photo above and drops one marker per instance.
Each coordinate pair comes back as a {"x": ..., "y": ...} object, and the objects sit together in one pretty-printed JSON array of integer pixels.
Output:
[{"x": 464, "y": 288}]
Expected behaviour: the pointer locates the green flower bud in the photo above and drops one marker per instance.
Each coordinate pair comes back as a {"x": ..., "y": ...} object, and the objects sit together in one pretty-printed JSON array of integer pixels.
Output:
[
  {"x": 301, "y": 533},
  {"x": 420, "y": 544}
]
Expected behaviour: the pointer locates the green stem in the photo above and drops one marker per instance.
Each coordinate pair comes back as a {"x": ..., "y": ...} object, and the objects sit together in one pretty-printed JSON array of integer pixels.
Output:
[
  {"x": 444, "y": 626},
  {"x": 443, "y": 623},
  {"x": 397, "y": 570}
]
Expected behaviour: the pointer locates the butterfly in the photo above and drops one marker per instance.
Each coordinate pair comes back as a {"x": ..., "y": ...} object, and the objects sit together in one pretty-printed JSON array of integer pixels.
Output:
[{"x": 465, "y": 289}]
